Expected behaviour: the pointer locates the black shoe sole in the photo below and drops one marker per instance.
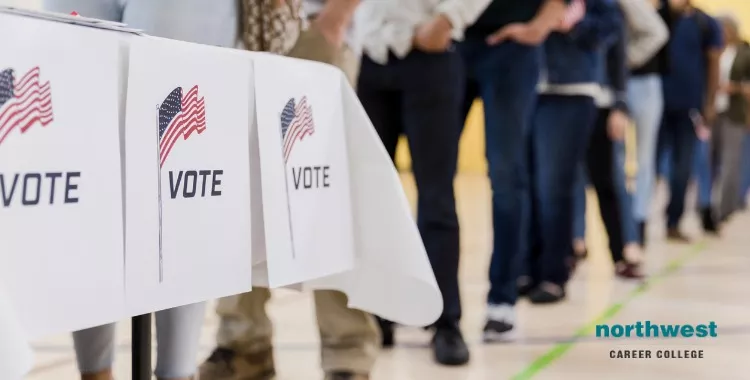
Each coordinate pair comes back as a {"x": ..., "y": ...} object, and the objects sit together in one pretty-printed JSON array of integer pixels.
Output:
[{"x": 452, "y": 361}]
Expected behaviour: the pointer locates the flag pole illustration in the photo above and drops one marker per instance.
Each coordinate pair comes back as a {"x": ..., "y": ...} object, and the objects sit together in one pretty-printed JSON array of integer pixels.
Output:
[
  {"x": 178, "y": 117},
  {"x": 158, "y": 161},
  {"x": 296, "y": 123}
]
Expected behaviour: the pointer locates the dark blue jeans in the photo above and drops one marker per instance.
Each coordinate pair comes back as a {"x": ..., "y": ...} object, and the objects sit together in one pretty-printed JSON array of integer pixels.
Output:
[
  {"x": 420, "y": 96},
  {"x": 505, "y": 77},
  {"x": 559, "y": 137},
  {"x": 677, "y": 141}
]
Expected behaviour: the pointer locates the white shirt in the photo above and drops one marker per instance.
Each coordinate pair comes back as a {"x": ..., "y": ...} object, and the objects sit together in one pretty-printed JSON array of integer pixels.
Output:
[
  {"x": 389, "y": 25},
  {"x": 725, "y": 68}
]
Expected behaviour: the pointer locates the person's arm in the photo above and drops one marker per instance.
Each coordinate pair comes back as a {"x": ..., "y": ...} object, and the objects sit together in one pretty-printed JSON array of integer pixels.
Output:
[
  {"x": 534, "y": 32},
  {"x": 550, "y": 15},
  {"x": 460, "y": 14},
  {"x": 600, "y": 27},
  {"x": 713, "y": 49},
  {"x": 648, "y": 31},
  {"x": 334, "y": 19},
  {"x": 617, "y": 72}
]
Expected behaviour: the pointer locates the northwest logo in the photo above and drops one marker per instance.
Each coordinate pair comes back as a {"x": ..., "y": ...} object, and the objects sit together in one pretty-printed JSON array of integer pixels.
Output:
[
  {"x": 24, "y": 103},
  {"x": 181, "y": 116},
  {"x": 296, "y": 124}
]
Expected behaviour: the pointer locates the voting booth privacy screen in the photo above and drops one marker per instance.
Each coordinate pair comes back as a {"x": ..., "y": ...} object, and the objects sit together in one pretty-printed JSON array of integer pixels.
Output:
[{"x": 139, "y": 174}]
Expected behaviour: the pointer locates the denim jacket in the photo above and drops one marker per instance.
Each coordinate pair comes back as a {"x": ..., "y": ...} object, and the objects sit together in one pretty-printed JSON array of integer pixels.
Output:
[{"x": 573, "y": 57}]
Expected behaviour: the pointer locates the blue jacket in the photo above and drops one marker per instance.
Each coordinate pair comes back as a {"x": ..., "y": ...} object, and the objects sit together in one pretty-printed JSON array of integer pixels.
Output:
[{"x": 573, "y": 57}]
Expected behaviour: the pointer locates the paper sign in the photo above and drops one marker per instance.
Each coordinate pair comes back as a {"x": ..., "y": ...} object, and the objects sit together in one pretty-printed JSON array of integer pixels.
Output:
[
  {"x": 392, "y": 276},
  {"x": 61, "y": 211},
  {"x": 304, "y": 170},
  {"x": 15, "y": 353},
  {"x": 188, "y": 174}
]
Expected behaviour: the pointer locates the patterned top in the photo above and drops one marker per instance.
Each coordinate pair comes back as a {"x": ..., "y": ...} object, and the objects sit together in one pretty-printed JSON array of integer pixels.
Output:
[{"x": 271, "y": 25}]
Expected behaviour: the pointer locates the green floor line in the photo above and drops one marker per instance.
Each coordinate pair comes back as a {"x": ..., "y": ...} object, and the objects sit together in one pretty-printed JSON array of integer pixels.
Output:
[{"x": 560, "y": 349}]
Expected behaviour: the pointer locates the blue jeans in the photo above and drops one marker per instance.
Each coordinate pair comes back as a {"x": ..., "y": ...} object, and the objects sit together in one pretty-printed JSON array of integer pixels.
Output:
[
  {"x": 211, "y": 22},
  {"x": 629, "y": 228},
  {"x": 647, "y": 105},
  {"x": 677, "y": 142},
  {"x": 505, "y": 77},
  {"x": 559, "y": 137}
]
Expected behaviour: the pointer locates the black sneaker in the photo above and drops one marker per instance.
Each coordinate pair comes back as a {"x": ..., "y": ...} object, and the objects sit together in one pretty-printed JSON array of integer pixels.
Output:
[
  {"x": 449, "y": 346},
  {"x": 500, "y": 324},
  {"x": 387, "y": 332},
  {"x": 710, "y": 224},
  {"x": 547, "y": 293}
]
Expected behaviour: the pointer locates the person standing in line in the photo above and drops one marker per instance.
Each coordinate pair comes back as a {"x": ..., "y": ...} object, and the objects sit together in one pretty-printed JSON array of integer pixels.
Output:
[
  {"x": 177, "y": 329},
  {"x": 501, "y": 53},
  {"x": 648, "y": 62},
  {"x": 605, "y": 155},
  {"x": 645, "y": 34},
  {"x": 734, "y": 119},
  {"x": 412, "y": 83},
  {"x": 350, "y": 340},
  {"x": 690, "y": 89},
  {"x": 559, "y": 135}
]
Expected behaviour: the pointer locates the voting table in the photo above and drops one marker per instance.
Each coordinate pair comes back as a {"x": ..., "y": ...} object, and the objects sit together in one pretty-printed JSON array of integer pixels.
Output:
[{"x": 140, "y": 174}]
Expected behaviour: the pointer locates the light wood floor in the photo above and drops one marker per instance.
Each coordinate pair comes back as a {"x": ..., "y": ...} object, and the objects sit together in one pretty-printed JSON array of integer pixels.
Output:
[{"x": 708, "y": 281}]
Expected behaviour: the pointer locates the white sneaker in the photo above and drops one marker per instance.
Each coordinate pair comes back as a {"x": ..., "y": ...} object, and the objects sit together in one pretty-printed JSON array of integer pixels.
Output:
[{"x": 500, "y": 326}]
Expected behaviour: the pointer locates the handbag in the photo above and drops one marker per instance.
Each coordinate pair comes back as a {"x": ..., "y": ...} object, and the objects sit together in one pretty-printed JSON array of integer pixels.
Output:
[{"x": 271, "y": 25}]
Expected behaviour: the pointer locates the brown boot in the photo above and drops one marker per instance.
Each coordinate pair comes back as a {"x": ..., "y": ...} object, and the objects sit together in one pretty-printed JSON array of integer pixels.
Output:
[
  {"x": 228, "y": 364},
  {"x": 103, "y": 375}
]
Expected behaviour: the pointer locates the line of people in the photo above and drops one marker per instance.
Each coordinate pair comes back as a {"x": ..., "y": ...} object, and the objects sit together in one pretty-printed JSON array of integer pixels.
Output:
[{"x": 561, "y": 81}]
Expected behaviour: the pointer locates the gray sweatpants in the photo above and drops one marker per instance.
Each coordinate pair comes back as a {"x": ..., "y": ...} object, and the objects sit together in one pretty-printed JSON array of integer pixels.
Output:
[
  {"x": 178, "y": 333},
  {"x": 211, "y": 22},
  {"x": 730, "y": 139}
]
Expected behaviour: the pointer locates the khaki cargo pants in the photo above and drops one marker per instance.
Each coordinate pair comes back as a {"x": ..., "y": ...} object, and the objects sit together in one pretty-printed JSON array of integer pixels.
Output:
[{"x": 350, "y": 339}]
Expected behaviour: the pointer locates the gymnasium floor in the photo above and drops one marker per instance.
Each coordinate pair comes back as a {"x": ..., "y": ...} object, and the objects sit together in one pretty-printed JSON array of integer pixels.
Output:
[{"x": 703, "y": 282}]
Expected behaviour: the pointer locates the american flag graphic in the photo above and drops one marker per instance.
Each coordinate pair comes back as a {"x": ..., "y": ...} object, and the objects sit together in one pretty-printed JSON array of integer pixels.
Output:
[
  {"x": 574, "y": 14},
  {"x": 179, "y": 116},
  {"x": 23, "y": 102},
  {"x": 296, "y": 123}
]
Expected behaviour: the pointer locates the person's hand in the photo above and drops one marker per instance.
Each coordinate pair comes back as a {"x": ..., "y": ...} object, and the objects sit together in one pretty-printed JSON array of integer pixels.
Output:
[
  {"x": 617, "y": 124},
  {"x": 332, "y": 31},
  {"x": 729, "y": 88},
  {"x": 524, "y": 33},
  {"x": 744, "y": 89},
  {"x": 709, "y": 115},
  {"x": 434, "y": 36}
]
